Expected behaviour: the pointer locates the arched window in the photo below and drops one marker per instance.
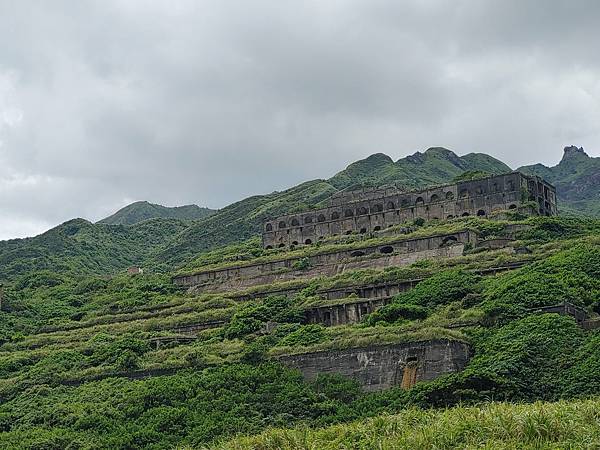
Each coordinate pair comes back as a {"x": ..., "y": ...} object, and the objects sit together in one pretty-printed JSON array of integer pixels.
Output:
[
  {"x": 463, "y": 193},
  {"x": 378, "y": 207},
  {"x": 465, "y": 214},
  {"x": 348, "y": 232},
  {"x": 357, "y": 253},
  {"x": 308, "y": 242},
  {"x": 449, "y": 195},
  {"x": 450, "y": 216},
  {"x": 281, "y": 245},
  {"x": 335, "y": 215},
  {"x": 321, "y": 218},
  {"x": 390, "y": 205},
  {"x": 386, "y": 250},
  {"x": 295, "y": 243},
  {"x": 376, "y": 228},
  {"x": 308, "y": 219},
  {"x": 295, "y": 222},
  {"x": 269, "y": 247},
  {"x": 269, "y": 227},
  {"x": 512, "y": 206},
  {"x": 419, "y": 201},
  {"x": 481, "y": 212},
  {"x": 362, "y": 210},
  {"x": 348, "y": 213},
  {"x": 282, "y": 224},
  {"x": 363, "y": 230},
  {"x": 435, "y": 198}
]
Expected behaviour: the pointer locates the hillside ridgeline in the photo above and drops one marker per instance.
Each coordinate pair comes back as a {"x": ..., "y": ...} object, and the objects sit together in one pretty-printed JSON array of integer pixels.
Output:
[
  {"x": 141, "y": 211},
  {"x": 165, "y": 244}
]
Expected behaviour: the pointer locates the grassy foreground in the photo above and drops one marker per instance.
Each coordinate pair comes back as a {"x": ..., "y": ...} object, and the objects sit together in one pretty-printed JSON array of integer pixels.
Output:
[{"x": 564, "y": 424}]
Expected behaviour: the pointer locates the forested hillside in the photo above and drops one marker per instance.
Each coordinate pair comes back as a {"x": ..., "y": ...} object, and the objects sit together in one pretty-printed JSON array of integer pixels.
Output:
[
  {"x": 141, "y": 211},
  {"x": 166, "y": 244},
  {"x": 83, "y": 248},
  {"x": 81, "y": 365},
  {"x": 577, "y": 181}
]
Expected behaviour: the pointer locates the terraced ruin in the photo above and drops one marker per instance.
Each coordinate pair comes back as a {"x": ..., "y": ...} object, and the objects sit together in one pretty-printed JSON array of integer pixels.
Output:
[{"x": 398, "y": 311}]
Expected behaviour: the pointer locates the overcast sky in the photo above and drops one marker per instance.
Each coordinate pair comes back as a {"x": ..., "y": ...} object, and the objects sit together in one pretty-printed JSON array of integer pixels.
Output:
[{"x": 106, "y": 102}]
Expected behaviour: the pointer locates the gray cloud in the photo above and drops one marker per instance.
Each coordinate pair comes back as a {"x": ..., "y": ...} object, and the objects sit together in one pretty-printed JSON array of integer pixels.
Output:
[{"x": 107, "y": 102}]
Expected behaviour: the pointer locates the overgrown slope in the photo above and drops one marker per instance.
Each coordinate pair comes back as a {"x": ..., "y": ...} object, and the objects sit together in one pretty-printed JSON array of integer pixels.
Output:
[
  {"x": 170, "y": 243},
  {"x": 80, "y": 247},
  {"x": 141, "y": 211},
  {"x": 436, "y": 165},
  {"x": 79, "y": 366},
  {"x": 577, "y": 181},
  {"x": 493, "y": 426}
]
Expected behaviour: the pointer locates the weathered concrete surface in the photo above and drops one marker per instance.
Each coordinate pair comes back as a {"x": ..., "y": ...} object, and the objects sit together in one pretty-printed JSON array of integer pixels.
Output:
[
  {"x": 332, "y": 269},
  {"x": 344, "y": 313},
  {"x": 372, "y": 210},
  {"x": 369, "y": 291},
  {"x": 381, "y": 367},
  {"x": 397, "y": 253}
]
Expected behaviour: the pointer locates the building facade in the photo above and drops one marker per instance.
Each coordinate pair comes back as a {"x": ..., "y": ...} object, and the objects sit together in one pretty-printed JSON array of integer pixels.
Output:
[{"x": 371, "y": 210}]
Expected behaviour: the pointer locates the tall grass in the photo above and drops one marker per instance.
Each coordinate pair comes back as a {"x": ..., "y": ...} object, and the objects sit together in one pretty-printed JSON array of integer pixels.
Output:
[{"x": 574, "y": 424}]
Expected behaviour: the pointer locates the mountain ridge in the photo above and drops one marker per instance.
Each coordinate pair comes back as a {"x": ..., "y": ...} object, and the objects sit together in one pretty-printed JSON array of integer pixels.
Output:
[
  {"x": 143, "y": 210},
  {"x": 576, "y": 178},
  {"x": 167, "y": 243}
]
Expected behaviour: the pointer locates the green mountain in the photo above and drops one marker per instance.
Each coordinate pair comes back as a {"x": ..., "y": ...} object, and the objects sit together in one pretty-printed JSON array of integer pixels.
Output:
[
  {"x": 94, "y": 358},
  {"x": 244, "y": 219},
  {"x": 164, "y": 244},
  {"x": 79, "y": 246},
  {"x": 140, "y": 211},
  {"x": 577, "y": 181},
  {"x": 106, "y": 363},
  {"x": 435, "y": 166}
]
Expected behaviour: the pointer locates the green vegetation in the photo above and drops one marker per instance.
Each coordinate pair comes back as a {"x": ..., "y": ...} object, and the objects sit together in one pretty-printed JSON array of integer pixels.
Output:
[
  {"x": 94, "y": 359},
  {"x": 435, "y": 166},
  {"x": 78, "y": 247},
  {"x": 492, "y": 426},
  {"x": 576, "y": 181},
  {"x": 470, "y": 175},
  {"x": 141, "y": 211},
  {"x": 167, "y": 243}
]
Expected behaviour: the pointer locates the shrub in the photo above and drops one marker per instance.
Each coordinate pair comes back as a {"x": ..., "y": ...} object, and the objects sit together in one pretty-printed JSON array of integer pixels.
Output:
[
  {"x": 304, "y": 336},
  {"x": 396, "y": 311},
  {"x": 250, "y": 318}
]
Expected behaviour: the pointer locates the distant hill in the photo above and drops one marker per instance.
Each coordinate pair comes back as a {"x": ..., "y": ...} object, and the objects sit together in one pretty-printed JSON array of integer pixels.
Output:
[
  {"x": 244, "y": 219},
  {"x": 81, "y": 247},
  {"x": 167, "y": 243},
  {"x": 140, "y": 211},
  {"x": 436, "y": 165},
  {"x": 577, "y": 181}
]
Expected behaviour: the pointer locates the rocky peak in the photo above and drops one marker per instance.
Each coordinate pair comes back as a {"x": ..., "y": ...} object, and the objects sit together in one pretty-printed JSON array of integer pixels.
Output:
[{"x": 573, "y": 152}]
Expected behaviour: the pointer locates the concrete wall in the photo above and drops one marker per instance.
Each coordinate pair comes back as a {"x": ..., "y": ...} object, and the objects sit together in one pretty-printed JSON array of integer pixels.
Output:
[
  {"x": 398, "y": 253},
  {"x": 344, "y": 313},
  {"x": 381, "y": 367},
  {"x": 367, "y": 211},
  {"x": 380, "y": 290}
]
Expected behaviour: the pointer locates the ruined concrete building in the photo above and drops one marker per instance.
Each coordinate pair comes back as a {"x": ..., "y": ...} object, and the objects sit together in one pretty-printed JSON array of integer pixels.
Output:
[
  {"x": 372, "y": 210},
  {"x": 394, "y": 253},
  {"x": 382, "y": 367},
  {"x": 367, "y": 211}
]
